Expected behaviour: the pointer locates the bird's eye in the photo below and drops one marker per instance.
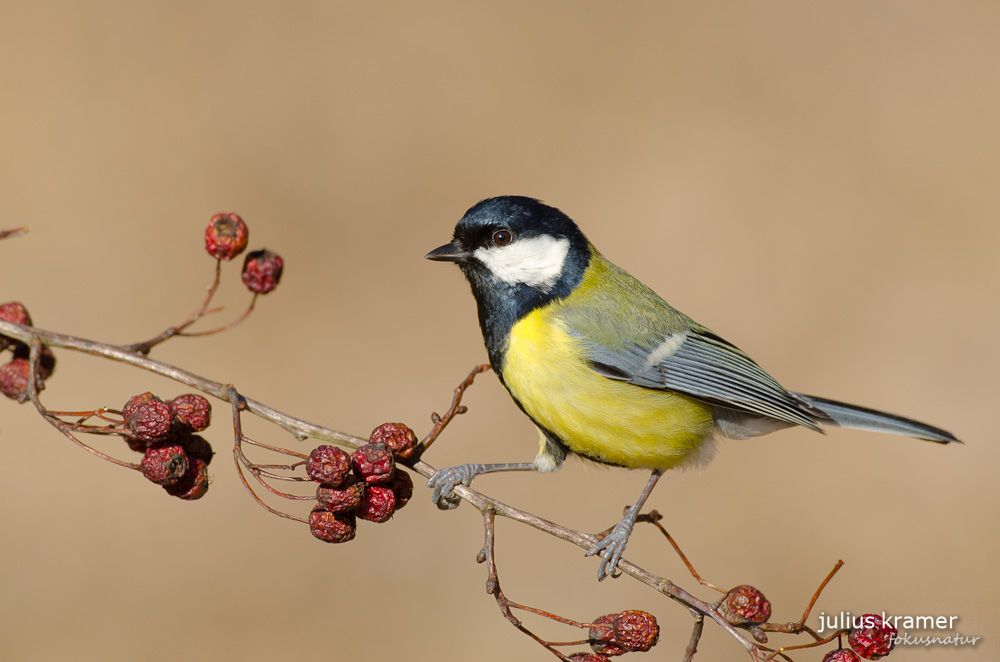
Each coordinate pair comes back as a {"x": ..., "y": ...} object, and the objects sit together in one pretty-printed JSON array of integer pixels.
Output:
[{"x": 502, "y": 237}]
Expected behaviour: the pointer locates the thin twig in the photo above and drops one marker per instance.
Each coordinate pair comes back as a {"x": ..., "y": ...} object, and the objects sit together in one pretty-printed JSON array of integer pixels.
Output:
[
  {"x": 654, "y": 517},
  {"x": 440, "y": 422},
  {"x": 16, "y": 232},
  {"x": 145, "y": 346},
  {"x": 297, "y": 426},
  {"x": 493, "y": 584},
  {"x": 62, "y": 426},
  {"x": 226, "y": 327},
  {"x": 692, "y": 647}
]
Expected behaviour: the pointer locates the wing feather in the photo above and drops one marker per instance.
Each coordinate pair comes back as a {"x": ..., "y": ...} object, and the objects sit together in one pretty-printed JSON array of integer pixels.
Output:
[{"x": 704, "y": 366}]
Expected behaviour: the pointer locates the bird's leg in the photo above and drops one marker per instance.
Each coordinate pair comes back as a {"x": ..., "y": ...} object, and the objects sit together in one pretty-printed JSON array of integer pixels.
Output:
[
  {"x": 444, "y": 480},
  {"x": 550, "y": 456},
  {"x": 612, "y": 546}
]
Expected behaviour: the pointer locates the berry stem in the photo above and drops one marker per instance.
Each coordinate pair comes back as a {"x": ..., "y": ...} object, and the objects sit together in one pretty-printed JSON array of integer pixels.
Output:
[
  {"x": 278, "y": 449},
  {"x": 654, "y": 517},
  {"x": 236, "y": 322},
  {"x": 147, "y": 345},
  {"x": 57, "y": 423},
  {"x": 805, "y": 614}
]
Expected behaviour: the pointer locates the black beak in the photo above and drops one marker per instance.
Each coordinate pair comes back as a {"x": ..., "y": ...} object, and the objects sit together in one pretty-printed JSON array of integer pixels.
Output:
[{"x": 448, "y": 253}]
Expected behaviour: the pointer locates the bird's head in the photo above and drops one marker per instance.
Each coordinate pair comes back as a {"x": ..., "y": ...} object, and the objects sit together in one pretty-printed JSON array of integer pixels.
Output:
[{"x": 518, "y": 247}]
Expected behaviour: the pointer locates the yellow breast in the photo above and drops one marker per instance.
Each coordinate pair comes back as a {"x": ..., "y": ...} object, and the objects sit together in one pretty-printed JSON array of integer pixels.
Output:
[{"x": 600, "y": 418}]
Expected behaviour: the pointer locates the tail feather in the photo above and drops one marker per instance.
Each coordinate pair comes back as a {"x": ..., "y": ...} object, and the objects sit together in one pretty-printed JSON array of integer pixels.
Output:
[{"x": 862, "y": 418}]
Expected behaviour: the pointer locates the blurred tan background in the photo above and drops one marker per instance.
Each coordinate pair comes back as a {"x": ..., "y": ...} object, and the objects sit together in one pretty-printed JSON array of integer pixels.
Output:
[{"x": 817, "y": 182}]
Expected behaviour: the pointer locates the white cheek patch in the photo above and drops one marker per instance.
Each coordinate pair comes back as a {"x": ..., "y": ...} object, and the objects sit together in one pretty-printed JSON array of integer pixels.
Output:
[{"x": 536, "y": 261}]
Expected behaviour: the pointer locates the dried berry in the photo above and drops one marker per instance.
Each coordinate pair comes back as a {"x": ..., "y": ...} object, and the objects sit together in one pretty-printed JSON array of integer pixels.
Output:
[
  {"x": 328, "y": 465},
  {"x": 332, "y": 527},
  {"x": 402, "y": 488},
  {"x": 191, "y": 411},
  {"x": 46, "y": 359},
  {"x": 226, "y": 236},
  {"x": 373, "y": 464},
  {"x": 399, "y": 438},
  {"x": 841, "y": 655},
  {"x": 14, "y": 377},
  {"x": 137, "y": 445},
  {"x": 194, "y": 484},
  {"x": 339, "y": 499},
  {"x": 13, "y": 311},
  {"x": 377, "y": 505},
  {"x": 164, "y": 465},
  {"x": 589, "y": 657},
  {"x": 636, "y": 630},
  {"x": 874, "y": 639},
  {"x": 150, "y": 421},
  {"x": 134, "y": 402},
  {"x": 745, "y": 604},
  {"x": 262, "y": 271},
  {"x": 196, "y": 447},
  {"x": 602, "y": 636}
]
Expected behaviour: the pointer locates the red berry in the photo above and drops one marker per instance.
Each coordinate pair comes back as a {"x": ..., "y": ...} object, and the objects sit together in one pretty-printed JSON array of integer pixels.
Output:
[
  {"x": 602, "y": 636},
  {"x": 399, "y": 438},
  {"x": 340, "y": 499},
  {"x": 402, "y": 488},
  {"x": 589, "y": 657},
  {"x": 14, "y": 377},
  {"x": 134, "y": 402},
  {"x": 192, "y": 411},
  {"x": 332, "y": 527},
  {"x": 194, "y": 484},
  {"x": 226, "y": 236},
  {"x": 373, "y": 464},
  {"x": 377, "y": 505},
  {"x": 196, "y": 447},
  {"x": 328, "y": 465},
  {"x": 636, "y": 630},
  {"x": 874, "y": 639},
  {"x": 164, "y": 465},
  {"x": 13, "y": 312},
  {"x": 150, "y": 421},
  {"x": 841, "y": 655},
  {"x": 262, "y": 271},
  {"x": 745, "y": 604}
]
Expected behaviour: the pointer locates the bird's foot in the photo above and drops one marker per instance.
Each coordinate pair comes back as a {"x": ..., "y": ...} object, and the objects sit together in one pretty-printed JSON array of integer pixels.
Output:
[
  {"x": 612, "y": 546},
  {"x": 444, "y": 481}
]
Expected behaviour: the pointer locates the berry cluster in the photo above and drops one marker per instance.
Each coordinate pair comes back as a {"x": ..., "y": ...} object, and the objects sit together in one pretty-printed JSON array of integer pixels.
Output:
[
  {"x": 14, "y": 374},
  {"x": 226, "y": 237},
  {"x": 173, "y": 456},
  {"x": 365, "y": 484},
  {"x": 617, "y": 634}
]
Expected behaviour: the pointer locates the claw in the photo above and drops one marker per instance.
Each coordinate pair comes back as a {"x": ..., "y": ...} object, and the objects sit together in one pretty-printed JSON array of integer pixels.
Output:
[{"x": 611, "y": 547}]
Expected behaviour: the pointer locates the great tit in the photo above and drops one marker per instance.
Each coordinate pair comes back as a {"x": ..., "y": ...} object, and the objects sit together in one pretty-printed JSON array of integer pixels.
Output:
[{"x": 606, "y": 369}]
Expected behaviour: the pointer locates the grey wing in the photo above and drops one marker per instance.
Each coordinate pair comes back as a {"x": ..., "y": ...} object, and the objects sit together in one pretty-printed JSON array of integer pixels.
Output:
[{"x": 706, "y": 367}]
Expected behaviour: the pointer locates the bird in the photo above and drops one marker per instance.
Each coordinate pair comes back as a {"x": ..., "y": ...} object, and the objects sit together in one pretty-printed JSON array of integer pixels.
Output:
[{"x": 609, "y": 371}]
